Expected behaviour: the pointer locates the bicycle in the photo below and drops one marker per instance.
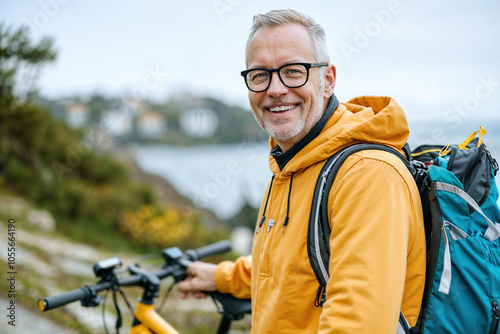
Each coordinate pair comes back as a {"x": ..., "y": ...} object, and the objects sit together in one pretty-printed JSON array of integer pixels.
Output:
[{"x": 146, "y": 319}]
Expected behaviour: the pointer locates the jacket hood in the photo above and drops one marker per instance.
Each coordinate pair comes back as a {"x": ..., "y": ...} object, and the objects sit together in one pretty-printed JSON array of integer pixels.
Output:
[{"x": 374, "y": 119}]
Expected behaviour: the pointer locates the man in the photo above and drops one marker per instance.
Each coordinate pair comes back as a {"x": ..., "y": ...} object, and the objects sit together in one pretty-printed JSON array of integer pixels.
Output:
[{"x": 377, "y": 262}]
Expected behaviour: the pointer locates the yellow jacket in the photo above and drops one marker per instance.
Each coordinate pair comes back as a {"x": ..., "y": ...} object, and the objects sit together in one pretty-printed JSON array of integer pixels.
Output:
[{"x": 377, "y": 244}]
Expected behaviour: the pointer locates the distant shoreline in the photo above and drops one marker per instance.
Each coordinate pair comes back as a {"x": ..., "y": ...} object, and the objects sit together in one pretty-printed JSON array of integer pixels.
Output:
[{"x": 164, "y": 190}]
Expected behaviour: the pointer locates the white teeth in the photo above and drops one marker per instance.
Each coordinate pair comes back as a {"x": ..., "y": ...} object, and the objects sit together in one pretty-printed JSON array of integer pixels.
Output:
[{"x": 282, "y": 108}]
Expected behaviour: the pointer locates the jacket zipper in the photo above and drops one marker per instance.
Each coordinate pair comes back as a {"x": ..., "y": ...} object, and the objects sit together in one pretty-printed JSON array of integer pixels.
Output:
[{"x": 496, "y": 317}]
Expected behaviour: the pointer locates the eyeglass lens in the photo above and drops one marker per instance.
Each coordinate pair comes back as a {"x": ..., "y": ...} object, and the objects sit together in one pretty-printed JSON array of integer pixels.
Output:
[{"x": 293, "y": 75}]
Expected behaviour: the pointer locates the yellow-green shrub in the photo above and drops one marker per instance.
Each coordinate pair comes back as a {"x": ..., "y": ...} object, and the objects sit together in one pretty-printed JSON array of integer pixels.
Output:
[{"x": 162, "y": 226}]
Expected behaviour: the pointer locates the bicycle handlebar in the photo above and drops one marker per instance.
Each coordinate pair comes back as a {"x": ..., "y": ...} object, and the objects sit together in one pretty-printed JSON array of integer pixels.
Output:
[
  {"x": 89, "y": 292},
  {"x": 209, "y": 250}
]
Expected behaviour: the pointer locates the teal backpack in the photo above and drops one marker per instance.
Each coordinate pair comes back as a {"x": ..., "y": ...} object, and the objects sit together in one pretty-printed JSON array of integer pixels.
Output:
[{"x": 461, "y": 216}]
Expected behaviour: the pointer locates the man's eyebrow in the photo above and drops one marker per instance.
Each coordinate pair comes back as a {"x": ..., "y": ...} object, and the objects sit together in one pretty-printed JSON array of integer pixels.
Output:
[
  {"x": 293, "y": 61},
  {"x": 256, "y": 67}
]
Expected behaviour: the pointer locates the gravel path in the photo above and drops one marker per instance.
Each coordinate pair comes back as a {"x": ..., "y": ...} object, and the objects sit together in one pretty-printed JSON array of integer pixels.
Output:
[
  {"x": 28, "y": 322},
  {"x": 67, "y": 259}
]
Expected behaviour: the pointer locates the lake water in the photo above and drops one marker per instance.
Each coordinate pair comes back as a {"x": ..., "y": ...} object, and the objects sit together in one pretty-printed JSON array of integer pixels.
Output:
[{"x": 221, "y": 178}]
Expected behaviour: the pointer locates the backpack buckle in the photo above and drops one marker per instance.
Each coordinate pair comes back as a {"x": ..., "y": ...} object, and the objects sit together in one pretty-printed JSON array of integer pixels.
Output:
[{"x": 320, "y": 296}]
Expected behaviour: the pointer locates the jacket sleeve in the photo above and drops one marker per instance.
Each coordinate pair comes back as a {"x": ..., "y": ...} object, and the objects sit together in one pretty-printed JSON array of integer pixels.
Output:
[
  {"x": 373, "y": 222},
  {"x": 234, "y": 277}
]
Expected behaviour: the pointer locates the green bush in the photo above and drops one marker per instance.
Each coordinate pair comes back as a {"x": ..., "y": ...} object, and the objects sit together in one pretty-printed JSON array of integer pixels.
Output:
[{"x": 88, "y": 192}]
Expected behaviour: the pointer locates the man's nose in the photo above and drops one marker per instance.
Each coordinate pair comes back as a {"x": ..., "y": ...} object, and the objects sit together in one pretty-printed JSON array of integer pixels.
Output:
[{"x": 276, "y": 88}]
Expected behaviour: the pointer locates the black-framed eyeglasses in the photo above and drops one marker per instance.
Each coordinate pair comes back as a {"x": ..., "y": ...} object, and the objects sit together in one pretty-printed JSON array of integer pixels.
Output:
[{"x": 291, "y": 75}]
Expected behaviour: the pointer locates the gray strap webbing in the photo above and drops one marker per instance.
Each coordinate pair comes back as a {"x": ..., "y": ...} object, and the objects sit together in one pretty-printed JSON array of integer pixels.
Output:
[
  {"x": 322, "y": 268},
  {"x": 445, "y": 281},
  {"x": 403, "y": 324},
  {"x": 493, "y": 231}
]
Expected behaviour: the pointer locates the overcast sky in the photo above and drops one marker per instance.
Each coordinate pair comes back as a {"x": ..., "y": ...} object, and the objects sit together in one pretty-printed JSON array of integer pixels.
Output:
[{"x": 439, "y": 59}]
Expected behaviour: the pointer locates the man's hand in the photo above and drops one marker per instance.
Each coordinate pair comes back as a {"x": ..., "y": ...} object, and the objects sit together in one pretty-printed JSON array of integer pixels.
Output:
[{"x": 201, "y": 277}]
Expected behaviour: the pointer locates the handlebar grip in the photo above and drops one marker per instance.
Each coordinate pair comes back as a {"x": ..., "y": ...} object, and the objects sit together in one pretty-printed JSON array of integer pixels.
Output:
[
  {"x": 49, "y": 303},
  {"x": 209, "y": 250}
]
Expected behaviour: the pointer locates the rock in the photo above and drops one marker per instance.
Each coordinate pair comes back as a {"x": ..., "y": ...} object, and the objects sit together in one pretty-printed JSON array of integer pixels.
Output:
[
  {"x": 42, "y": 219},
  {"x": 12, "y": 205}
]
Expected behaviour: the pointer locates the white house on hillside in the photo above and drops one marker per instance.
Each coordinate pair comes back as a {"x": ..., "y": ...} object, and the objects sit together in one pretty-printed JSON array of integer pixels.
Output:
[
  {"x": 151, "y": 124},
  {"x": 77, "y": 114},
  {"x": 199, "y": 122},
  {"x": 116, "y": 123}
]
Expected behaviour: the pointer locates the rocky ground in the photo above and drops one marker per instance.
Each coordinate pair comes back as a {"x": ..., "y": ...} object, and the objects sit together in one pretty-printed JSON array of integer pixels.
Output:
[{"x": 47, "y": 264}]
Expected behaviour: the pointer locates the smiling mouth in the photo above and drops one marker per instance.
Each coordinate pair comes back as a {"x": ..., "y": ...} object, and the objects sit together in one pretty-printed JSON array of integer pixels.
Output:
[{"x": 282, "y": 108}]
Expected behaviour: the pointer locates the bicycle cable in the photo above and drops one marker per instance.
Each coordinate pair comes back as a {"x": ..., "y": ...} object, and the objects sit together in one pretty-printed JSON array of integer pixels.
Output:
[
  {"x": 126, "y": 301},
  {"x": 118, "y": 311},
  {"x": 104, "y": 299},
  {"x": 118, "y": 323},
  {"x": 115, "y": 301},
  {"x": 165, "y": 297}
]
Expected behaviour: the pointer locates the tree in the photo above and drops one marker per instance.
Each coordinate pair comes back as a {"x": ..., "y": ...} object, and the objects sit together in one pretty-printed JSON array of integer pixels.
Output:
[
  {"x": 20, "y": 63},
  {"x": 61, "y": 169}
]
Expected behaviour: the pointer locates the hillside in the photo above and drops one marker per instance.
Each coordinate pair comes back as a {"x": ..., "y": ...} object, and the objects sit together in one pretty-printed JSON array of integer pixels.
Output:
[
  {"x": 70, "y": 196},
  {"x": 183, "y": 119},
  {"x": 47, "y": 263}
]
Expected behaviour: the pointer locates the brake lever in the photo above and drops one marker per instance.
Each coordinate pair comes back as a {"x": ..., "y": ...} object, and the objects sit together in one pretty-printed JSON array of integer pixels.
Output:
[
  {"x": 178, "y": 260},
  {"x": 179, "y": 273}
]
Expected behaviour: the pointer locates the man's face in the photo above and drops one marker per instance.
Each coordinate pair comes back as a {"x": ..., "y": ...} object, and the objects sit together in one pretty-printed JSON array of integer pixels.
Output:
[{"x": 287, "y": 114}]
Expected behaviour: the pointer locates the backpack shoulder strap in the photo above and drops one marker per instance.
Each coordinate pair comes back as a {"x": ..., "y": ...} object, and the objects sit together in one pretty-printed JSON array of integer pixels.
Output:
[{"x": 318, "y": 236}]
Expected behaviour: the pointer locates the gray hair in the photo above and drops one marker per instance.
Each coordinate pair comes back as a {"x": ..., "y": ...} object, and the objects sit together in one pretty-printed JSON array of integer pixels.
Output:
[{"x": 284, "y": 16}]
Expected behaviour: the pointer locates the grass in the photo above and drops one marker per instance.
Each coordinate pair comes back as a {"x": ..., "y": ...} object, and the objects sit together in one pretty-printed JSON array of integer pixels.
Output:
[
  {"x": 33, "y": 283},
  {"x": 29, "y": 287}
]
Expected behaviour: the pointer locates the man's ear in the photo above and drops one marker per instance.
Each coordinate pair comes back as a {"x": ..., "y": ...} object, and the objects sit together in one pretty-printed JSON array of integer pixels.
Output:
[{"x": 330, "y": 76}]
